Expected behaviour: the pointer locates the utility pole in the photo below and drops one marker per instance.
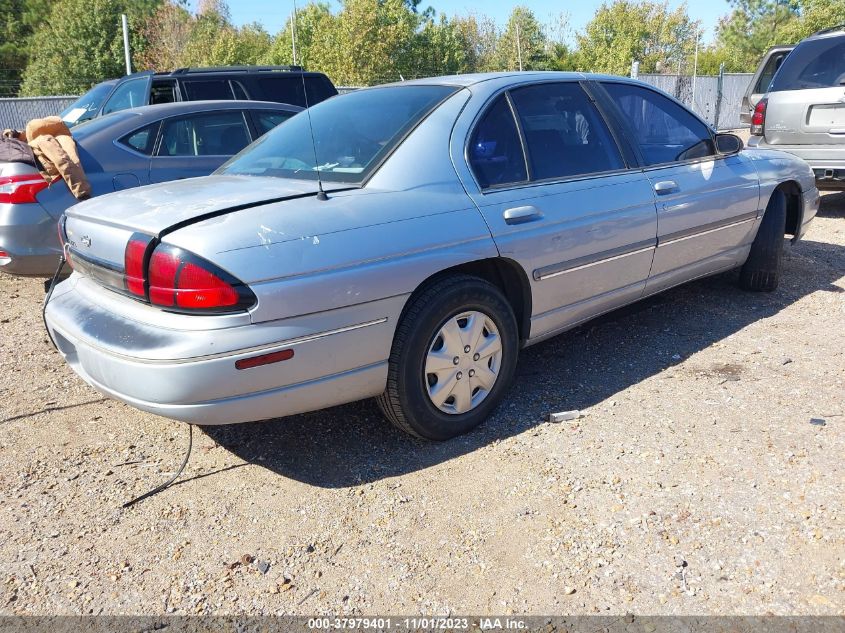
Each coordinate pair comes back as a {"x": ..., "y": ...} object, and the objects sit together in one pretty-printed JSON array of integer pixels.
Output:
[
  {"x": 293, "y": 33},
  {"x": 695, "y": 67},
  {"x": 126, "y": 44},
  {"x": 518, "y": 47}
]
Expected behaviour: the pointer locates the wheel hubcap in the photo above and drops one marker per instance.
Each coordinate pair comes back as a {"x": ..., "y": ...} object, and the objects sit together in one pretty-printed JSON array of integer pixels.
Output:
[{"x": 463, "y": 362}]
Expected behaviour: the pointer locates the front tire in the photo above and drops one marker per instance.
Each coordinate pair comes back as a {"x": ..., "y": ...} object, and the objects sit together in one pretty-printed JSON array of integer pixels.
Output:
[
  {"x": 453, "y": 357},
  {"x": 761, "y": 271}
]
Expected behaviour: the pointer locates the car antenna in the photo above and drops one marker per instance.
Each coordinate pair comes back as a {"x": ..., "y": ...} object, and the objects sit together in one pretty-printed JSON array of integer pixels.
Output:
[{"x": 321, "y": 194}]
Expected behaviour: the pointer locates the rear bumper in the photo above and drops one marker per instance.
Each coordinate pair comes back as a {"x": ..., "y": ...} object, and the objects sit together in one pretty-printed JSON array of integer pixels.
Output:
[
  {"x": 827, "y": 161},
  {"x": 332, "y": 364},
  {"x": 29, "y": 236}
]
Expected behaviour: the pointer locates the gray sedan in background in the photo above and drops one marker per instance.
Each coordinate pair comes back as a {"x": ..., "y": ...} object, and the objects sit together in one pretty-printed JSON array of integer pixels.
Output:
[
  {"x": 404, "y": 242},
  {"x": 120, "y": 151}
]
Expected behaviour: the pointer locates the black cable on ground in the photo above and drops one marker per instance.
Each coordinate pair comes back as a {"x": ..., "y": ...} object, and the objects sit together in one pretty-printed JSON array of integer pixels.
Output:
[
  {"x": 170, "y": 481},
  {"x": 53, "y": 283}
]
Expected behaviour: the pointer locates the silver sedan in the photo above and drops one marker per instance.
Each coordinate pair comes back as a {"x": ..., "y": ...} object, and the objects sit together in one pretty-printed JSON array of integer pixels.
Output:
[{"x": 404, "y": 242}]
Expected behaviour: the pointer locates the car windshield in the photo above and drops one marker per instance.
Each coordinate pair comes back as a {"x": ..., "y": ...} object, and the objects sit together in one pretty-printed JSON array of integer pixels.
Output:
[
  {"x": 87, "y": 105},
  {"x": 813, "y": 64},
  {"x": 351, "y": 135}
]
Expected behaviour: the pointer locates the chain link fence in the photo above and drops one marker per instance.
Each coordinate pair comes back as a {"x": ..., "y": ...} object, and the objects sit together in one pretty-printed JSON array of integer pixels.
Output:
[{"x": 717, "y": 99}]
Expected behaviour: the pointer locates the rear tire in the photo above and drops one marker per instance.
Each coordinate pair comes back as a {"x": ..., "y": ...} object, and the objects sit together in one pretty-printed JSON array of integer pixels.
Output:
[
  {"x": 761, "y": 271},
  {"x": 436, "y": 389}
]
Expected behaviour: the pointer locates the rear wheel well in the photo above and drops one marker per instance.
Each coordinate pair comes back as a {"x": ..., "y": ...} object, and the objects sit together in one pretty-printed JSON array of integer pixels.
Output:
[
  {"x": 792, "y": 191},
  {"x": 506, "y": 275}
]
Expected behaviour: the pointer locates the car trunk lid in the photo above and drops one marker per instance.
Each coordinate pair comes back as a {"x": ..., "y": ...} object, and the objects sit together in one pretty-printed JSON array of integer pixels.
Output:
[{"x": 97, "y": 231}]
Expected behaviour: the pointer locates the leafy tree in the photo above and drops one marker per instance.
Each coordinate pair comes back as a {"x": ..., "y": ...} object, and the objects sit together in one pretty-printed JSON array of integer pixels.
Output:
[
  {"x": 626, "y": 31},
  {"x": 440, "y": 48},
  {"x": 815, "y": 15},
  {"x": 314, "y": 35},
  {"x": 80, "y": 43},
  {"x": 17, "y": 26},
  {"x": 522, "y": 45},
  {"x": 167, "y": 33},
  {"x": 479, "y": 36},
  {"x": 755, "y": 25}
]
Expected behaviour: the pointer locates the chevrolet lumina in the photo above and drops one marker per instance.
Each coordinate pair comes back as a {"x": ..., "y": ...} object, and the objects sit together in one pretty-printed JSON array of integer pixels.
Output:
[{"x": 455, "y": 220}]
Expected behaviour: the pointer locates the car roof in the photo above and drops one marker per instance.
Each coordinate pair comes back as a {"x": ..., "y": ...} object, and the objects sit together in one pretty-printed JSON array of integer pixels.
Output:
[
  {"x": 181, "y": 107},
  {"x": 471, "y": 79}
]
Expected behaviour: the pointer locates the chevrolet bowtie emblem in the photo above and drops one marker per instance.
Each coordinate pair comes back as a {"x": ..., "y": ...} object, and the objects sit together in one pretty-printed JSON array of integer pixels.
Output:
[{"x": 85, "y": 241}]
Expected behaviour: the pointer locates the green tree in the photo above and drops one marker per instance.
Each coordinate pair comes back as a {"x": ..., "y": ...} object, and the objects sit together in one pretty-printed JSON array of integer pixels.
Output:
[
  {"x": 626, "y": 31},
  {"x": 80, "y": 43},
  {"x": 755, "y": 25},
  {"x": 815, "y": 15},
  {"x": 314, "y": 35},
  {"x": 522, "y": 45},
  {"x": 167, "y": 33},
  {"x": 440, "y": 48},
  {"x": 479, "y": 36},
  {"x": 19, "y": 21}
]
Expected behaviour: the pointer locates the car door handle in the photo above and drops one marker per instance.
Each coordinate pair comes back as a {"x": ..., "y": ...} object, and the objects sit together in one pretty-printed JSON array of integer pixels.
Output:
[
  {"x": 665, "y": 186},
  {"x": 520, "y": 215}
]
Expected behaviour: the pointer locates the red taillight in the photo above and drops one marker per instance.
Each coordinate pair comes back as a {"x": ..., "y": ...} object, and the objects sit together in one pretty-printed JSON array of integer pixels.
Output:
[
  {"x": 21, "y": 189},
  {"x": 184, "y": 281},
  {"x": 133, "y": 264},
  {"x": 758, "y": 119}
]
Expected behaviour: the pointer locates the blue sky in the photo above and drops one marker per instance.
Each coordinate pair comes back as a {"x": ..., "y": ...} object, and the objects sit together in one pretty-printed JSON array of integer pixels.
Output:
[{"x": 273, "y": 13}]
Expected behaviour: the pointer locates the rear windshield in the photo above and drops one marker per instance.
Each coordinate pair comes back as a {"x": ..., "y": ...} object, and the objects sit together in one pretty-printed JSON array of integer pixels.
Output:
[
  {"x": 87, "y": 105},
  {"x": 352, "y": 134},
  {"x": 86, "y": 129},
  {"x": 813, "y": 64}
]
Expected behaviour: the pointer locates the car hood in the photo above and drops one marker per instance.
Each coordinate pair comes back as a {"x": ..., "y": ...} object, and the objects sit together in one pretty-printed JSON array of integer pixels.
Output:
[{"x": 156, "y": 208}]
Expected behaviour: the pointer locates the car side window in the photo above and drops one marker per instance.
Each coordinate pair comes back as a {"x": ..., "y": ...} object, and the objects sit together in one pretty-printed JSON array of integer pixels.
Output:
[
  {"x": 210, "y": 134},
  {"x": 495, "y": 151},
  {"x": 142, "y": 140},
  {"x": 769, "y": 70},
  {"x": 665, "y": 131},
  {"x": 131, "y": 94},
  {"x": 207, "y": 89},
  {"x": 266, "y": 120},
  {"x": 565, "y": 135}
]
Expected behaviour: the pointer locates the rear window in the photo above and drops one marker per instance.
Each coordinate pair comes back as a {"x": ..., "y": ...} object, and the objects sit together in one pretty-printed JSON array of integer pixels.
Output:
[
  {"x": 352, "y": 134},
  {"x": 209, "y": 89},
  {"x": 288, "y": 89},
  {"x": 813, "y": 64}
]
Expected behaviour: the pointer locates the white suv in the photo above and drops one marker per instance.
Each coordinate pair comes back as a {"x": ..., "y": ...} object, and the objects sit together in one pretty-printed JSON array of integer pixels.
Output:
[{"x": 803, "y": 112}]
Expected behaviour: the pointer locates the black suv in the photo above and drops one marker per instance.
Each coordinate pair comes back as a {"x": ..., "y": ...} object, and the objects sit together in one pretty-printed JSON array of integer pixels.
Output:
[{"x": 282, "y": 84}]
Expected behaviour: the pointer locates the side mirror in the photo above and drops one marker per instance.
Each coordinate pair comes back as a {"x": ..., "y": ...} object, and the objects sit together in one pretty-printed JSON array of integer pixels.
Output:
[{"x": 728, "y": 143}]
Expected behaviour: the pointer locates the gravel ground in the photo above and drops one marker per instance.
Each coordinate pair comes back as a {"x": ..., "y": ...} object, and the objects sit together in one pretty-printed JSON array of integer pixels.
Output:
[{"x": 704, "y": 476}]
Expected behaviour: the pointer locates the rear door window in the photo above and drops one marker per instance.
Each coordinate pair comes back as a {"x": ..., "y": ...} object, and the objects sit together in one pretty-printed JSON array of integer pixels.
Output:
[
  {"x": 495, "y": 151},
  {"x": 209, "y": 134},
  {"x": 664, "y": 131},
  {"x": 565, "y": 135},
  {"x": 772, "y": 65},
  {"x": 266, "y": 120},
  {"x": 207, "y": 89},
  {"x": 142, "y": 140},
  {"x": 813, "y": 64}
]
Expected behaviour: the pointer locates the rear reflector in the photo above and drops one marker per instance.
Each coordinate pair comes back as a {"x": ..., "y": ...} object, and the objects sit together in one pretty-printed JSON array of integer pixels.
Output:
[
  {"x": 264, "y": 359},
  {"x": 21, "y": 189}
]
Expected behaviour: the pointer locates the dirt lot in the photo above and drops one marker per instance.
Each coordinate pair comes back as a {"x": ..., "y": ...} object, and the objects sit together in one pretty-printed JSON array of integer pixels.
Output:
[{"x": 705, "y": 476}]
